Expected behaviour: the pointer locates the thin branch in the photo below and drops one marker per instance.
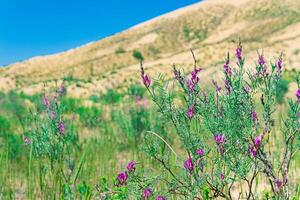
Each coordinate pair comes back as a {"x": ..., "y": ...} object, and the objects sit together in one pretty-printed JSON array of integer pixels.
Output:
[{"x": 194, "y": 58}]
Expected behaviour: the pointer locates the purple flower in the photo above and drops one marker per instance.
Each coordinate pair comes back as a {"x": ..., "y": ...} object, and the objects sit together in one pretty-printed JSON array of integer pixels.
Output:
[
  {"x": 61, "y": 127},
  {"x": 279, "y": 64},
  {"x": 122, "y": 179},
  {"x": 27, "y": 140},
  {"x": 254, "y": 117},
  {"x": 218, "y": 88},
  {"x": 46, "y": 101},
  {"x": 227, "y": 85},
  {"x": 147, "y": 193},
  {"x": 197, "y": 70},
  {"x": 146, "y": 80},
  {"x": 238, "y": 52},
  {"x": 262, "y": 69},
  {"x": 261, "y": 60},
  {"x": 193, "y": 81},
  {"x": 257, "y": 141},
  {"x": 188, "y": 165},
  {"x": 222, "y": 176},
  {"x": 131, "y": 166},
  {"x": 278, "y": 184},
  {"x": 161, "y": 198},
  {"x": 252, "y": 151},
  {"x": 227, "y": 68},
  {"x": 190, "y": 112},
  {"x": 298, "y": 95},
  {"x": 200, "y": 152},
  {"x": 219, "y": 138}
]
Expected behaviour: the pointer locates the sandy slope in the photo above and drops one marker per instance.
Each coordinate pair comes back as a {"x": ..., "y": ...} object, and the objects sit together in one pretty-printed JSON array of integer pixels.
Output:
[{"x": 209, "y": 27}]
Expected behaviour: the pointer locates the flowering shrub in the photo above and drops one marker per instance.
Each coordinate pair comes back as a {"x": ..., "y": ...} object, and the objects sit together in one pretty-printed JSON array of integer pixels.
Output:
[
  {"x": 225, "y": 133},
  {"x": 51, "y": 140},
  {"x": 50, "y": 137}
]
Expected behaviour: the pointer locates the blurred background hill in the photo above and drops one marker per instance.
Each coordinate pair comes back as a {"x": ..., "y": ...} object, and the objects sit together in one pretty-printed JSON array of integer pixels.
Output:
[{"x": 210, "y": 28}]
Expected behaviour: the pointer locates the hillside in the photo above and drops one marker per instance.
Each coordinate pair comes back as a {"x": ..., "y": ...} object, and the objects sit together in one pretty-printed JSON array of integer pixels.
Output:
[{"x": 210, "y": 27}]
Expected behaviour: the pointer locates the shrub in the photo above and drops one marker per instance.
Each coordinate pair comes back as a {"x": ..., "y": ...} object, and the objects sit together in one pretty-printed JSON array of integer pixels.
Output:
[
  {"x": 225, "y": 137},
  {"x": 138, "y": 55},
  {"x": 153, "y": 51},
  {"x": 120, "y": 50},
  {"x": 51, "y": 139},
  {"x": 111, "y": 97}
]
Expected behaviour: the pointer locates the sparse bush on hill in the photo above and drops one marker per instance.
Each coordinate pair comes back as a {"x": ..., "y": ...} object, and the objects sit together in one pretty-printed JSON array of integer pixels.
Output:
[
  {"x": 153, "y": 51},
  {"x": 120, "y": 50},
  {"x": 138, "y": 55}
]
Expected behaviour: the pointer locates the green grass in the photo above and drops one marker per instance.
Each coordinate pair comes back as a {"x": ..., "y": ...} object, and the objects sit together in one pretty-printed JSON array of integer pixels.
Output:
[
  {"x": 111, "y": 133},
  {"x": 104, "y": 146}
]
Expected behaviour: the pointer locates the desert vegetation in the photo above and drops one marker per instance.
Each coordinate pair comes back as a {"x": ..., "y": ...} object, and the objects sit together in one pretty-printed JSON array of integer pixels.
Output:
[{"x": 166, "y": 138}]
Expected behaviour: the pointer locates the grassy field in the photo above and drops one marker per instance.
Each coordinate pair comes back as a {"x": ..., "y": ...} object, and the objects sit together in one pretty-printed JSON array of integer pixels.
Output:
[{"x": 108, "y": 132}]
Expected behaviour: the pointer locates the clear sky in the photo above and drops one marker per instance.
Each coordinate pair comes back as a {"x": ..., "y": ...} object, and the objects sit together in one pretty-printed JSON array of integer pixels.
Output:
[{"x": 38, "y": 27}]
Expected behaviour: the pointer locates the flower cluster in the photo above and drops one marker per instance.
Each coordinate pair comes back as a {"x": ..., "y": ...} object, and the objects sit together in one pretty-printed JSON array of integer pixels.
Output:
[
  {"x": 61, "y": 127},
  {"x": 262, "y": 68},
  {"x": 147, "y": 193},
  {"x": 220, "y": 141},
  {"x": 278, "y": 64},
  {"x": 238, "y": 53},
  {"x": 188, "y": 164},
  {"x": 219, "y": 138},
  {"x": 161, "y": 198},
  {"x": 298, "y": 95},
  {"x": 194, "y": 80},
  {"x": 123, "y": 176},
  {"x": 254, "y": 117},
  {"x": 122, "y": 179},
  {"x": 227, "y": 68},
  {"x": 131, "y": 166},
  {"x": 145, "y": 78},
  {"x": 190, "y": 112},
  {"x": 253, "y": 149},
  {"x": 200, "y": 152},
  {"x": 129, "y": 176}
]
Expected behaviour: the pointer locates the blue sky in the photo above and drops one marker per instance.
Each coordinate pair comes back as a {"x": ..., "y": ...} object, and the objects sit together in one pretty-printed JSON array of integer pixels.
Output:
[{"x": 38, "y": 27}]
